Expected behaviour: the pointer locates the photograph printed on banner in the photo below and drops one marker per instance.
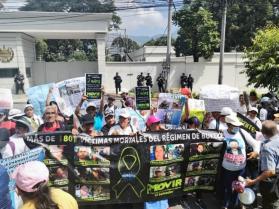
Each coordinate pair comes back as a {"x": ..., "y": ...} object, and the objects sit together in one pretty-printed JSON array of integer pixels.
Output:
[
  {"x": 84, "y": 192},
  {"x": 199, "y": 182},
  {"x": 202, "y": 167},
  {"x": 162, "y": 154},
  {"x": 56, "y": 155},
  {"x": 92, "y": 192},
  {"x": 162, "y": 173},
  {"x": 101, "y": 192},
  {"x": 58, "y": 175},
  {"x": 86, "y": 156},
  {"x": 205, "y": 150},
  {"x": 92, "y": 175}
]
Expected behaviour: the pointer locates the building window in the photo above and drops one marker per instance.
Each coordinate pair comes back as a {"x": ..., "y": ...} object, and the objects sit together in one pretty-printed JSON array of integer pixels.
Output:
[
  {"x": 28, "y": 72},
  {"x": 8, "y": 72}
]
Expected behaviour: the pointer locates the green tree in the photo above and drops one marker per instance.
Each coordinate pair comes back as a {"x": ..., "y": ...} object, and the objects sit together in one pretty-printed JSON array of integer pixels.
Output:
[
  {"x": 128, "y": 44},
  {"x": 161, "y": 41},
  {"x": 65, "y": 50},
  {"x": 262, "y": 65},
  {"x": 41, "y": 49},
  {"x": 198, "y": 35}
]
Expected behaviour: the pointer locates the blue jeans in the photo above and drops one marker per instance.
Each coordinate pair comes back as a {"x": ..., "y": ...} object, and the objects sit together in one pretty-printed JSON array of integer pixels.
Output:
[{"x": 230, "y": 197}]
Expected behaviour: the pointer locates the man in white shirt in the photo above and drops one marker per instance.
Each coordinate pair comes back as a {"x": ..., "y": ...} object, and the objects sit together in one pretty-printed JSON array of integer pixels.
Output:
[
  {"x": 219, "y": 123},
  {"x": 123, "y": 127}
]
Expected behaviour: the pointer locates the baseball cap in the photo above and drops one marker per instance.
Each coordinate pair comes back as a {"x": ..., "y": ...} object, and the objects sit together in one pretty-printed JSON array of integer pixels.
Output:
[
  {"x": 124, "y": 113},
  {"x": 152, "y": 119},
  {"x": 91, "y": 104},
  {"x": 29, "y": 175},
  {"x": 108, "y": 112},
  {"x": 253, "y": 109},
  {"x": 232, "y": 119},
  {"x": 28, "y": 105}
]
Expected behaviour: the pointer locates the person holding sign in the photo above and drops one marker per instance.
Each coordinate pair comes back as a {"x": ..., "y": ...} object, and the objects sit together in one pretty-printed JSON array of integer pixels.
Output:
[
  {"x": 123, "y": 127},
  {"x": 110, "y": 121},
  {"x": 32, "y": 185},
  {"x": 97, "y": 117}
]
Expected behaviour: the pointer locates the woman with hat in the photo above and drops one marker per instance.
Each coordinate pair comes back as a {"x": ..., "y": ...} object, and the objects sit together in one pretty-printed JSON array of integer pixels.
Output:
[
  {"x": 34, "y": 120},
  {"x": 31, "y": 181},
  {"x": 234, "y": 160},
  {"x": 252, "y": 115}
]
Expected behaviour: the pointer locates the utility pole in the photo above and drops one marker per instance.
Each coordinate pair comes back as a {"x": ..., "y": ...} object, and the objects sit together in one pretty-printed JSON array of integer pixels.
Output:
[
  {"x": 168, "y": 55},
  {"x": 222, "y": 44}
]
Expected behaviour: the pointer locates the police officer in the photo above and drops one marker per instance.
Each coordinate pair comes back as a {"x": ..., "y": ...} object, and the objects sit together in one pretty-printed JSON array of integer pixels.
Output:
[
  {"x": 19, "y": 82},
  {"x": 190, "y": 82},
  {"x": 117, "y": 81},
  {"x": 140, "y": 79},
  {"x": 148, "y": 80},
  {"x": 269, "y": 166},
  {"x": 183, "y": 80},
  {"x": 161, "y": 83}
]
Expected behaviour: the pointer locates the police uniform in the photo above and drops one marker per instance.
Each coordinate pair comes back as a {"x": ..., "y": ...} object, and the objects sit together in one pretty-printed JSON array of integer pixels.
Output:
[{"x": 269, "y": 161}]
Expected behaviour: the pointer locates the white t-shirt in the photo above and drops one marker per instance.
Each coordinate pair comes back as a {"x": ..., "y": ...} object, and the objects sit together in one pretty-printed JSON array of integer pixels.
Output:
[
  {"x": 117, "y": 130},
  {"x": 235, "y": 154},
  {"x": 263, "y": 114},
  {"x": 19, "y": 147},
  {"x": 256, "y": 121},
  {"x": 213, "y": 125}
]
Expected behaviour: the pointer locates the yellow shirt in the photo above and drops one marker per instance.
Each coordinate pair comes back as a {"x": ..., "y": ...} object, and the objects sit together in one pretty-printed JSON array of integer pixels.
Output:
[{"x": 63, "y": 199}]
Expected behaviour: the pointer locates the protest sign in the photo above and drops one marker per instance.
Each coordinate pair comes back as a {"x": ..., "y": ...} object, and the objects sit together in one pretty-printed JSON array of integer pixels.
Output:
[
  {"x": 169, "y": 109},
  {"x": 93, "y": 85},
  {"x": 37, "y": 96},
  {"x": 196, "y": 108},
  {"x": 6, "y": 99},
  {"x": 68, "y": 94},
  {"x": 127, "y": 169},
  {"x": 218, "y": 96},
  {"x": 137, "y": 117},
  {"x": 143, "y": 98},
  {"x": 248, "y": 125}
]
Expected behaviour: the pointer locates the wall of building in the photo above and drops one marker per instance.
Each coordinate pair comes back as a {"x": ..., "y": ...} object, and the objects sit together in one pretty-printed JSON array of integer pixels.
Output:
[
  {"x": 23, "y": 47},
  {"x": 48, "y": 72},
  {"x": 204, "y": 72}
]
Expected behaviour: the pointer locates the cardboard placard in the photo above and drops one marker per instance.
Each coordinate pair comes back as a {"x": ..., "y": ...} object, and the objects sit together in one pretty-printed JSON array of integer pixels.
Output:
[{"x": 143, "y": 98}]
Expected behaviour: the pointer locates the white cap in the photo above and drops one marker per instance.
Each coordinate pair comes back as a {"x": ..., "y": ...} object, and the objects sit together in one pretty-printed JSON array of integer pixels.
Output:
[
  {"x": 91, "y": 104},
  {"x": 253, "y": 109},
  {"x": 226, "y": 111},
  {"x": 232, "y": 119},
  {"x": 124, "y": 113}
]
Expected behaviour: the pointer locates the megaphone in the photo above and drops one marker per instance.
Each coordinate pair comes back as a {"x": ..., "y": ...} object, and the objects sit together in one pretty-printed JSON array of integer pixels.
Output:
[{"x": 247, "y": 197}]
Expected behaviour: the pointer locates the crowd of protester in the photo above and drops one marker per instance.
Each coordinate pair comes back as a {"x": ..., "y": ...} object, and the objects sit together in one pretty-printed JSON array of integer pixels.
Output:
[{"x": 242, "y": 147}]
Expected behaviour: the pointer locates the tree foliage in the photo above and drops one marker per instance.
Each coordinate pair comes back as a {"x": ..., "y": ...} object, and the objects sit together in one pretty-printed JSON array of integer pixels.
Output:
[
  {"x": 198, "y": 34},
  {"x": 262, "y": 65},
  {"x": 67, "y": 50},
  {"x": 128, "y": 44},
  {"x": 161, "y": 41}
]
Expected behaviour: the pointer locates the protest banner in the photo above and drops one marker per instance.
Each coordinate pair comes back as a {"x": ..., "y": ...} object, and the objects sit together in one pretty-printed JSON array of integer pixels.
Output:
[
  {"x": 218, "y": 96},
  {"x": 12, "y": 162},
  {"x": 68, "y": 94},
  {"x": 169, "y": 109},
  {"x": 127, "y": 169},
  {"x": 6, "y": 99},
  {"x": 37, "y": 96},
  {"x": 143, "y": 98},
  {"x": 93, "y": 85},
  {"x": 248, "y": 125}
]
